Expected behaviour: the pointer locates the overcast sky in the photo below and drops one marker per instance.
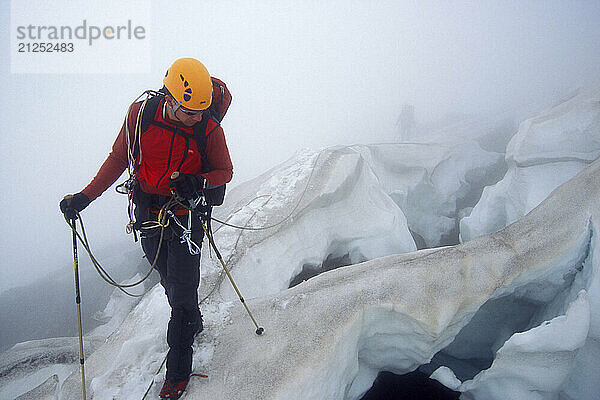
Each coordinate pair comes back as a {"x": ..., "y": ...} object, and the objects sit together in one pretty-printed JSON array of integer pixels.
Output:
[{"x": 303, "y": 74}]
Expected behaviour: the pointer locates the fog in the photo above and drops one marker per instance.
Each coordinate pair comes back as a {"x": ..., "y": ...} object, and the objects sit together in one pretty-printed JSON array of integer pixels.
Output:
[{"x": 302, "y": 74}]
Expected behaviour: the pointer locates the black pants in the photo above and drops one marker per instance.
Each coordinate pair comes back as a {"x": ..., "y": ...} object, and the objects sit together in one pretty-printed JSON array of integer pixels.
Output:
[{"x": 180, "y": 276}]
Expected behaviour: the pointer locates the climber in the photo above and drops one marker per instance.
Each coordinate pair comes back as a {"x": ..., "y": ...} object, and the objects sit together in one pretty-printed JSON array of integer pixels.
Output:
[{"x": 179, "y": 131}]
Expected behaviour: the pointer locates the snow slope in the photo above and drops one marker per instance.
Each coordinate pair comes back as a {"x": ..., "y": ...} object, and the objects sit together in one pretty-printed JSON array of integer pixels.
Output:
[{"x": 317, "y": 205}]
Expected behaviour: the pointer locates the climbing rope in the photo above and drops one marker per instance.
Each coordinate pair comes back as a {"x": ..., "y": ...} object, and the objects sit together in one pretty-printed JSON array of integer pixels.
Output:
[{"x": 289, "y": 216}]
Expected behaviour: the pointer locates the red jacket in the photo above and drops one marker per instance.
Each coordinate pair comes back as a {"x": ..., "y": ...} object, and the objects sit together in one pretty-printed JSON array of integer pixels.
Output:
[{"x": 217, "y": 155}]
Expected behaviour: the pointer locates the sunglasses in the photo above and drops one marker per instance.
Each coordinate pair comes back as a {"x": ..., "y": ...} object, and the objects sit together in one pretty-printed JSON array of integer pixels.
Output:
[
  {"x": 184, "y": 110},
  {"x": 190, "y": 112}
]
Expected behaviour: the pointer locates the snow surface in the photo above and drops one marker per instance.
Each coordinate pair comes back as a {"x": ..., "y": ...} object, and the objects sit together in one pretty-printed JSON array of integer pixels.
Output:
[{"x": 512, "y": 314}]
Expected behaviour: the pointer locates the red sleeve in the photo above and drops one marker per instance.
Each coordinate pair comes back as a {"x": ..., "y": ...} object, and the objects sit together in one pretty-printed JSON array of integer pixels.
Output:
[
  {"x": 116, "y": 162},
  {"x": 218, "y": 157}
]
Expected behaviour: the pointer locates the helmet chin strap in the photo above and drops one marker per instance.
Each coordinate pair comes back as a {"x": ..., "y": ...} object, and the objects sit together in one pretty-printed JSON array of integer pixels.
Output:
[{"x": 173, "y": 109}]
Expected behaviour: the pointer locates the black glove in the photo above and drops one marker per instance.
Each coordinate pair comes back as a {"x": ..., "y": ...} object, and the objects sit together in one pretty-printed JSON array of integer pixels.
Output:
[
  {"x": 186, "y": 185},
  {"x": 73, "y": 204}
]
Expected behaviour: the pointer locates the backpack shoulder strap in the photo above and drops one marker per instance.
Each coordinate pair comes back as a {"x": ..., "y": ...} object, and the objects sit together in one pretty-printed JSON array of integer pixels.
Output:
[
  {"x": 220, "y": 104},
  {"x": 213, "y": 195},
  {"x": 201, "y": 135},
  {"x": 150, "y": 111},
  {"x": 150, "y": 107}
]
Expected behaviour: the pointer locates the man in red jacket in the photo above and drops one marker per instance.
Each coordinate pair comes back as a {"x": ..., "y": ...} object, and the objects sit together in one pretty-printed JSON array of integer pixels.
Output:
[{"x": 155, "y": 144}]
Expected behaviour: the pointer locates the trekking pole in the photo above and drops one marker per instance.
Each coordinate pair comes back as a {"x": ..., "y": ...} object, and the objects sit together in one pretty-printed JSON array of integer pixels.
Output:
[
  {"x": 259, "y": 329},
  {"x": 78, "y": 301}
]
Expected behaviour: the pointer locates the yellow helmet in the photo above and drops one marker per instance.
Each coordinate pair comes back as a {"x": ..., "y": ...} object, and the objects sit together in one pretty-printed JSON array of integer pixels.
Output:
[{"x": 188, "y": 81}]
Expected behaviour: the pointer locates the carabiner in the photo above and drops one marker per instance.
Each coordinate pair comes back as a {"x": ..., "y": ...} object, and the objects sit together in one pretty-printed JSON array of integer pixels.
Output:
[{"x": 160, "y": 219}]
